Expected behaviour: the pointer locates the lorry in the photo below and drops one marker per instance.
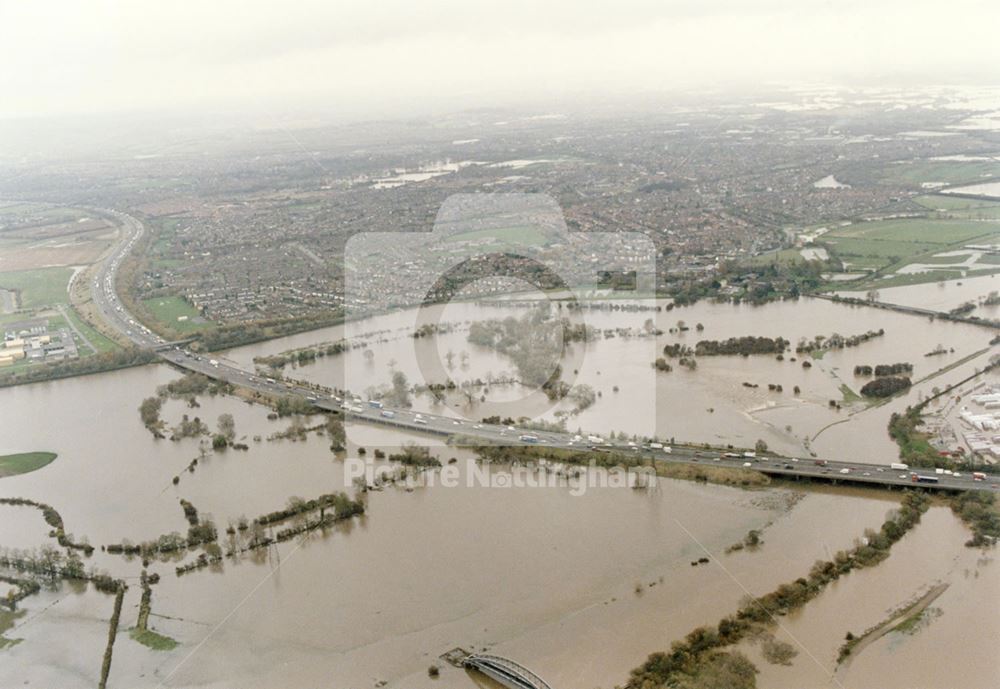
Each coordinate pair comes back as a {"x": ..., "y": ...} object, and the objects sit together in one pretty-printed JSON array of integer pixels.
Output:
[
  {"x": 596, "y": 439},
  {"x": 978, "y": 476},
  {"x": 375, "y": 404},
  {"x": 899, "y": 466},
  {"x": 388, "y": 414},
  {"x": 528, "y": 438},
  {"x": 919, "y": 478}
]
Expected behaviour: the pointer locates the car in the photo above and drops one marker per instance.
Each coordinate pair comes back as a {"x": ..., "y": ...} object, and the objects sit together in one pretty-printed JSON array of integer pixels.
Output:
[
  {"x": 747, "y": 464},
  {"x": 788, "y": 466},
  {"x": 867, "y": 473},
  {"x": 903, "y": 476}
]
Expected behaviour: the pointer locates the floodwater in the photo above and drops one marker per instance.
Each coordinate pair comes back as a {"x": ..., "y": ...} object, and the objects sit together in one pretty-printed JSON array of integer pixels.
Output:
[
  {"x": 539, "y": 574},
  {"x": 943, "y": 296},
  {"x": 830, "y": 182},
  {"x": 953, "y": 646},
  {"x": 987, "y": 189},
  {"x": 710, "y": 404},
  {"x": 814, "y": 254}
]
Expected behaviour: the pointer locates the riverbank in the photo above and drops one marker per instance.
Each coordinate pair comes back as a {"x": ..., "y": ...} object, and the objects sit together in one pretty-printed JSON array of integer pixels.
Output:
[{"x": 900, "y": 620}]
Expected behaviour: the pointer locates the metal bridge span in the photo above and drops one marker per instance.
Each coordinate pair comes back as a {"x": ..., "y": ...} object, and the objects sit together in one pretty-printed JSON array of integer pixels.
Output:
[{"x": 505, "y": 671}]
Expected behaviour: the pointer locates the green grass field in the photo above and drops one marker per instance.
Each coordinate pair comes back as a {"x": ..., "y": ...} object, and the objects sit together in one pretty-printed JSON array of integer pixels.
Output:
[
  {"x": 151, "y": 639},
  {"x": 168, "y": 309},
  {"x": 874, "y": 254},
  {"x": 772, "y": 257},
  {"x": 102, "y": 343},
  {"x": 894, "y": 243},
  {"x": 918, "y": 230},
  {"x": 25, "y": 462},
  {"x": 889, "y": 245},
  {"x": 955, "y": 203},
  {"x": 849, "y": 395},
  {"x": 907, "y": 279},
  {"x": 947, "y": 171},
  {"x": 958, "y": 208},
  {"x": 41, "y": 287},
  {"x": 944, "y": 260}
]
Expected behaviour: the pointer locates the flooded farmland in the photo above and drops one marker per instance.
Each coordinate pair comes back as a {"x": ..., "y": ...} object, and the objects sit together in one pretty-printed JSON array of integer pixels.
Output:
[
  {"x": 725, "y": 400},
  {"x": 580, "y": 588}
]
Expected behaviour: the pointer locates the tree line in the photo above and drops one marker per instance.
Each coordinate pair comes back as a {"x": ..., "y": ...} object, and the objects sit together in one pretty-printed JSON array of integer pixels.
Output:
[
  {"x": 885, "y": 387},
  {"x": 686, "y": 662},
  {"x": 882, "y": 370}
]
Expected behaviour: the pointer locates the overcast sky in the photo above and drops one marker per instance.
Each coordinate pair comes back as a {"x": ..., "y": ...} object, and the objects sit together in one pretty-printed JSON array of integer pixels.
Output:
[{"x": 386, "y": 57}]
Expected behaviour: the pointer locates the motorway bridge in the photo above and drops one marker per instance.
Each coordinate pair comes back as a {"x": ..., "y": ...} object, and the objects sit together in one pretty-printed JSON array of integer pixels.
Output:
[
  {"x": 355, "y": 409},
  {"x": 112, "y": 309}
]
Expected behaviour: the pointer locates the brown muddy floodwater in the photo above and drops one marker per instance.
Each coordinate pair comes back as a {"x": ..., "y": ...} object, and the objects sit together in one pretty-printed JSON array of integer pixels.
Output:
[
  {"x": 541, "y": 575},
  {"x": 537, "y": 573},
  {"x": 710, "y": 404},
  {"x": 953, "y": 645}
]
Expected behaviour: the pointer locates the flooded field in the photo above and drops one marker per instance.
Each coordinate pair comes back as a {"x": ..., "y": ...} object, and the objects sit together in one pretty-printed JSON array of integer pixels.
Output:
[
  {"x": 532, "y": 572},
  {"x": 944, "y": 296},
  {"x": 710, "y": 404},
  {"x": 942, "y": 648},
  {"x": 580, "y": 588}
]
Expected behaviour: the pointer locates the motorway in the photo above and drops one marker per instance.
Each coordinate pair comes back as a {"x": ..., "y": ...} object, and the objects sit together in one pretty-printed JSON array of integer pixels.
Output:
[
  {"x": 103, "y": 286},
  {"x": 117, "y": 316}
]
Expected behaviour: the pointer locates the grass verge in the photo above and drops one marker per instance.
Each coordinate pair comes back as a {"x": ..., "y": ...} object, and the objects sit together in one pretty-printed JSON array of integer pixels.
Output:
[
  {"x": 152, "y": 640},
  {"x": 7, "y": 618}
]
